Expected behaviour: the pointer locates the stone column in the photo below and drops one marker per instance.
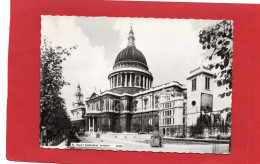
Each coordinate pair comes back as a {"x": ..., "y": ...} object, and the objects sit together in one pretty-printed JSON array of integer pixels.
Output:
[
  {"x": 93, "y": 119},
  {"x": 140, "y": 80},
  {"x": 143, "y": 82},
  {"x": 89, "y": 124},
  {"x": 125, "y": 79},
  {"x": 114, "y": 81},
  {"x": 111, "y": 78},
  {"x": 146, "y": 85},
  {"x": 151, "y": 101},
  {"x": 108, "y": 104},
  {"x": 135, "y": 80},
  {"x": 130, "y": 83},
  {"x": 121, "y": 76},
  {"x": 117, "y": 78}
]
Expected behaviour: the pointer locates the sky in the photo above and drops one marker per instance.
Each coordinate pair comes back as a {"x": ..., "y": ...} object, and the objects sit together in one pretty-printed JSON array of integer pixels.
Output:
[{"x": 170, "y": 46}]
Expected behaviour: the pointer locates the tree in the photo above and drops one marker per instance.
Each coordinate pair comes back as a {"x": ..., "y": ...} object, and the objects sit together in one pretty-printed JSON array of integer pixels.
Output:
[
  {"x": 219, "y": 38},
  {"x": 53, "y": 114},
  {"x": 137, "y": 127},
  {"x": 198, "y": 128},
  {"x": 148, "y": 128}
]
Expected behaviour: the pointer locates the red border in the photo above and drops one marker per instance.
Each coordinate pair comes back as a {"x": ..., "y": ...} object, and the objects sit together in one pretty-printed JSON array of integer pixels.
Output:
[{"x": 24, "y": 74}]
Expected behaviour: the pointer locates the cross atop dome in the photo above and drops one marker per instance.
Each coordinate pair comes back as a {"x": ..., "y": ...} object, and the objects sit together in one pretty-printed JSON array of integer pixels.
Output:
[{"x": 131, "y": 38}]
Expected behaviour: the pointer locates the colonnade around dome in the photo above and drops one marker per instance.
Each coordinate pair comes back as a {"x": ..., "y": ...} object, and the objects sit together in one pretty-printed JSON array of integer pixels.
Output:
[{"x": 126, "y": 79}]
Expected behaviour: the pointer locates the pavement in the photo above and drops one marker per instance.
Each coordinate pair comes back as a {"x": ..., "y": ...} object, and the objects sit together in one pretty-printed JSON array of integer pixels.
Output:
[{"x": 145, "y": 147}]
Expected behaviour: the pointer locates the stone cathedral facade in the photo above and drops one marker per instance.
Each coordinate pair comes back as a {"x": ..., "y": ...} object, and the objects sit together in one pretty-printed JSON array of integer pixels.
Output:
[{"x": 132, "y": 99}]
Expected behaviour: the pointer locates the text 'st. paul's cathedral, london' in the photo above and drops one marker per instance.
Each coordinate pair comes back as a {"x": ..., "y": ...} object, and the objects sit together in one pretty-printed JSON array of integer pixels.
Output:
[{"x": 134, "y": 104}]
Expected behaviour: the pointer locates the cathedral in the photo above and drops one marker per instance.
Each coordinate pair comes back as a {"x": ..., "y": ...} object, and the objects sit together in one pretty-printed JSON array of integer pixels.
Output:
[{"x": 132, "y": 101}]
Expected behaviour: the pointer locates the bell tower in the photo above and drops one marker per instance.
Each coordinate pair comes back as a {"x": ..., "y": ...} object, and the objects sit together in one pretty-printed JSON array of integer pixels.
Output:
[
  {"x": 199, "y": 93},
  {"x": 79, "y": 95}
]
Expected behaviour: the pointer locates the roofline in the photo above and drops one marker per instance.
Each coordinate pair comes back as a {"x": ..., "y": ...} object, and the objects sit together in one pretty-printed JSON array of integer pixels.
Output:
[
  {"x": 152, "y": 89},
  {"x": 201, "y": 72}
]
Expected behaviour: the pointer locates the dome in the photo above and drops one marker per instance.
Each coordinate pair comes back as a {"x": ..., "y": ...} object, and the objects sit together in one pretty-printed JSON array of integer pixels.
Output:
[
  {"x": 130, "y": 54},
  {"x": 130, "y": 73}
]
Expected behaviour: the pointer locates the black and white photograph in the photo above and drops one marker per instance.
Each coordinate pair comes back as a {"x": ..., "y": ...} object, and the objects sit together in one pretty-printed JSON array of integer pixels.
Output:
[{"x": 136, "y": 84}]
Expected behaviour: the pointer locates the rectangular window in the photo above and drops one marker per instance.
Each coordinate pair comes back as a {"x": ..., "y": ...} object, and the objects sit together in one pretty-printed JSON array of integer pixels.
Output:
[
  {"x": 167, "y": 121},
  {"x": 207, "y": 83},
  {"x": 193, "y": 87},
  {"x": 168, "y": 113}
]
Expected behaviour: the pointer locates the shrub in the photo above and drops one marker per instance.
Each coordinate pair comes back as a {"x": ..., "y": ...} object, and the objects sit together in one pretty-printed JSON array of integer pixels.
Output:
[
  {"x": 219, "y": 137},
  {"x": 148, "y": 128},
  {"x": 180, "y": 136},
  {"x": 118, "y": 129},
  {"x": 199, "y": 136},
  {"x": 198, "y": 128},
  {"x": 137, "y": 127},
  {"x": 172, "y": 131},
  {"x": 156, "y": 127},
  {"x": 105, "y": 127}
]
